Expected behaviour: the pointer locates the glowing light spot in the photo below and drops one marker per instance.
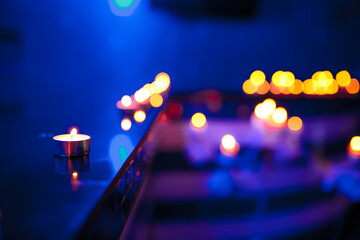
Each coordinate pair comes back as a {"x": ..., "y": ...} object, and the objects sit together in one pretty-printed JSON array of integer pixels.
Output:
[
  {"x": 274, "y": 89},
  {"x": 276, "y": 77},
  {"x": 142, "y": 95},
  {"x": 249, "y": 88},
  {"x": 280, "y": 115},
  {"x": 75, "y": 174},
  {"x": 297, "y": 88},
  {"x": 270, "y": 104},
  {"x": 156, "y": 100},
  {"x": 228, "y": 142},
  {"x": 355, "y": 143},
  {"x": 283, "y": 79},
  {"x": 123, "y": 7},
  {"x": 126, "y": 124},
  {"x": 198, "y": 120},
  {"x": 150, "y": 87},
  {"x": 309, "y": 87},
  {"x": 353, "y": 87},
  {"x": 126, "y": 101},
  {"x": 265, "y": 109},
  {"x": 263, "y": 88},
  {"x": 333, "y": 88},
  {"x": 73, "y": 133},
  {"x": 139, "y": 116},
  {"x": 257, "y": 78},
  {"x": 229, "y": 146},
  {"x": 124, "y": 3},
  {"x": 161, "y": 82},
  {"x": 343, "y": 78},
  {"x": 295, "y": 124}
]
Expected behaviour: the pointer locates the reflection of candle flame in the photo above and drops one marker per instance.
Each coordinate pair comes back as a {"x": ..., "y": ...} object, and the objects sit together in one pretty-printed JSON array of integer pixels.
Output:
[{"x": 73, "y": 133}]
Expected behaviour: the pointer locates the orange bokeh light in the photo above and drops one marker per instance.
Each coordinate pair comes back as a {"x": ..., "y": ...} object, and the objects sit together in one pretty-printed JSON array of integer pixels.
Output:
[
  {"x": 248, "y": 87},
  {"x": 295, "y": 124},
  {"x": 353, "y": 87}
]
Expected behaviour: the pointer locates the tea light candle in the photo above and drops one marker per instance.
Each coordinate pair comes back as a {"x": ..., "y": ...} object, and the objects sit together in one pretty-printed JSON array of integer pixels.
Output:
[{"x": 72, "y": 145}]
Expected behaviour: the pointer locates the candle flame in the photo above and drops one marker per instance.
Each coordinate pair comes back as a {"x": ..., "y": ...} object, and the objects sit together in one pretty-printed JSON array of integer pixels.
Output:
[{"x": 73, "y": 133}]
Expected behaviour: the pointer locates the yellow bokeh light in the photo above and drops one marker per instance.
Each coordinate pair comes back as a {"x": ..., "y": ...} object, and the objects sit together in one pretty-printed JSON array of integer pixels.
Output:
[
  {"x": 139, "y": 116},
  {"x": 343, "y": 78},
  {"x": 126, "y": 101},
  {"x": 228, "y": 142},
  {"x": 283, "y": 79},
  {"x": 142, "y": 95},
  {"x": 265, "y": 109},
  {"x": 75, "y": 174},
  {"x": 248, "y": 87},
  {"x": 355, "y": 143},
  {"x": 156, "y": 100},
  {"x": 297, "y": 87},
  {"x": 268, "y": 106},
  {"x": 126, "y": 124},
  {"x": 309, "y": 87},
  {"x": 257, "y": 78},
  {"x": 150, "y": 87},
  {"x": 161, "y": 82},
  {"x": 198, "y": 120},
  {"x": 295, "y": 124},
  {"x": 263, "y": 88},
  {"x": 353, "y": 87},
  {"x": 276, "y": 76},
  {"x": 280, "y": 115},
  {"x": 333, "y": 88}
]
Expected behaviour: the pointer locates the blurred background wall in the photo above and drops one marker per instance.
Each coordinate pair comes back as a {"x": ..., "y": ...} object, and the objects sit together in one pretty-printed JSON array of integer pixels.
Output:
[{"x": 82, "y": 53}]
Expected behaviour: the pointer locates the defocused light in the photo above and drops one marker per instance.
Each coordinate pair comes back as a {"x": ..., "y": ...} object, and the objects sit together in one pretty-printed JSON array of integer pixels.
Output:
[
  {"x": 276, "y": 77},
  {"x": 229, "y": 146},
  {"x": 248, "y": 87},
  {"x": 274, "y": 89},
  {"x": 124, "y": 3},
  {"x": 161, "y": 82},
  {"x": 280, "y": 115},
  {"x": 142, "y": 95},
  {"x": 297, "y": 88},
  {"x": 126, "y": 101},
  {"x": 263, "y": 88},
  {"x": 353, "y": 87},
  {"x": 265, "y": 109},
  {"x": 295, "y": 124},
  {"x": 175, "y": 109},
  {"x": 139, "y": 116},
  {"x": 150, "y": 87},
  {"x": 343, "y": 78},
  {"x": 156, "y": 100},
  {"x": 257, "y": 78},
  {"x": 198, "y": 120},
  {"x": 309, "y": 87},
  {"x": 75, "y": 174},
  {"x": 333, "y": 88},
  {"x": 123, "y": 7},
  {"x": 284, "y": 79},
  {"x": 355, "y": 143},
  {"x": 126, "y": 124},
  {"x": 270, "y": 105},
  {"x": 228, "y": 142}
]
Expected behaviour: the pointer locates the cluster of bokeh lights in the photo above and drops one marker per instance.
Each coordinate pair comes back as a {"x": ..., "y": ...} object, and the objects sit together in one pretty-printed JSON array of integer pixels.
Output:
[
  {"x": 151, "y": 94},
  {"x": 276, "y": 117},
  {"x": 284, "y": 82}
]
